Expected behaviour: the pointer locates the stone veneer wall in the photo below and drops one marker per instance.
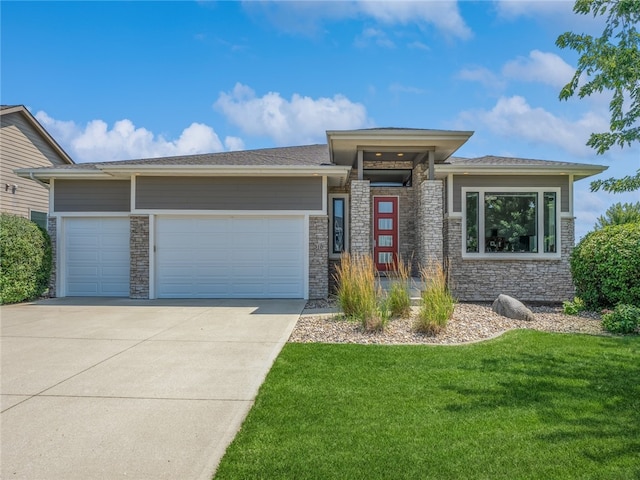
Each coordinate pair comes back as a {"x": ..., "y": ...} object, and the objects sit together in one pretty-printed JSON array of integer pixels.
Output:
[
  {"x": 526, "y": 280},
  {"x": 429, "y": 222},
  {"x": 139, "y": 251},
  {"x": 360, "y": 217},
  {"x": 319, "y": 257},
  {"x": 52, "y": 227}
]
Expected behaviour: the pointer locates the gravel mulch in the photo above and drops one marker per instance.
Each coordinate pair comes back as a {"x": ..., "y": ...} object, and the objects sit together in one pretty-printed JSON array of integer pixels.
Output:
[{"x": 471, "y": 322}]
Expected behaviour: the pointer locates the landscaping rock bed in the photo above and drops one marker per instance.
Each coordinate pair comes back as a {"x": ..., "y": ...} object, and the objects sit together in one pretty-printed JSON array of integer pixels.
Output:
[{"x": 471, "y": 322}]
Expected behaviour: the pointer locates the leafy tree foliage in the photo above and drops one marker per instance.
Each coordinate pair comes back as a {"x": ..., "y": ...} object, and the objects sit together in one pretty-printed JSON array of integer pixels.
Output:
[
  {"x": 619, "y": 214},
  {"x": 610, "y": 62}
]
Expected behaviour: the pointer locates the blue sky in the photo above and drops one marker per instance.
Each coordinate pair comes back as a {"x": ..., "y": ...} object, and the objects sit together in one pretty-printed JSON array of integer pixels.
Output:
[{"x": 118, "y": 80}]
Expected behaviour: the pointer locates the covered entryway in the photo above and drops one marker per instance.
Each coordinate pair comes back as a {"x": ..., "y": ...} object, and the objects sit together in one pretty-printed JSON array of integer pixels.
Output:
[
  {"x": 96, "y": 257},
  {"x": 230, "y": 257}
]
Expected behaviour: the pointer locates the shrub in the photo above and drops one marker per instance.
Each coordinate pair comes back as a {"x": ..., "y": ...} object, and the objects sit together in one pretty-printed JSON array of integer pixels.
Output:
[
  {"x": 573, "y": 308},
  {"x": 605, "y": 266},
  {"x": 398, "y": 300},
  {"x": 25, "y": 259},
  {"x": 356, "y": 281},
  {"x": 623, "y": 319},
  {"x": 436, "y": 301}
]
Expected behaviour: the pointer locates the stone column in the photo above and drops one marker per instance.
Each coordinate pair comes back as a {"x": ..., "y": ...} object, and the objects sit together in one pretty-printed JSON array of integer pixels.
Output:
[
  {"x": 139, "y": 251},
  {"x": 318, "y": 257},
  {"x": 430, "y": 222},
  {"x": 52, "y": 227},
  {"x": 360, "y": 217}
]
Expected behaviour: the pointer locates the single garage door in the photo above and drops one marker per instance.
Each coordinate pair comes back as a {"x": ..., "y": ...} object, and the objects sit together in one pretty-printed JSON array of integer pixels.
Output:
[
  {"x": 230, "y": 257},
  {"x": 96, "y": 257}
]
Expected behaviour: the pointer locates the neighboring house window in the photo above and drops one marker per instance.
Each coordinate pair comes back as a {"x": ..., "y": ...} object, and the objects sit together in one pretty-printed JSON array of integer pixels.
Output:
[
  {"x": 39, "y": 218},
  {"x": 509, "y": 222},
  {"x": 338, "y": 228}
]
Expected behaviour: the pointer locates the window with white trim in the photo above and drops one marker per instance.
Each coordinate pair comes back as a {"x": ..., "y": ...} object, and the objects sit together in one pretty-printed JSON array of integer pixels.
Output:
[
  {"x": 510, "y": 222},
  {"x": 338, "y": 224}
]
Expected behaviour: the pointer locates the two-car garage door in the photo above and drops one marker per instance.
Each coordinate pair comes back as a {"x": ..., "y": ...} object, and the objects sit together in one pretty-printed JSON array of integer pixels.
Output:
[
  {"x": 195, "y": 257},
  {"x": 229, "y": 257}
]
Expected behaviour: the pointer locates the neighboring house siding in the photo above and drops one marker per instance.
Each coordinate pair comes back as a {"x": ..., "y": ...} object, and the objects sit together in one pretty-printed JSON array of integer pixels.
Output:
[
  {"x": 21, "y": 146},
  {"x": 92, "y": 196},
  {"x": 528, "y": 280},
  {"x": 495, "y": 181},
  {"x": 229, "y": 193}
]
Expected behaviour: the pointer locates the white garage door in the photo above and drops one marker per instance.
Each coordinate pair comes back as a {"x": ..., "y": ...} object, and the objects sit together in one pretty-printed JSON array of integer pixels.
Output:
[
  {"x": 96, "y": 257},
  {"x": 199, "y": 257}
]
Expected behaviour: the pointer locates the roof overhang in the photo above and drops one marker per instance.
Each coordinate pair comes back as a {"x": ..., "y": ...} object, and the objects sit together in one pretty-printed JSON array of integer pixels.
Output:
[
  {"x": 337, "y": 175},
  {"x": 386, "y": 144},
  {"x": 579, "y": 171}
]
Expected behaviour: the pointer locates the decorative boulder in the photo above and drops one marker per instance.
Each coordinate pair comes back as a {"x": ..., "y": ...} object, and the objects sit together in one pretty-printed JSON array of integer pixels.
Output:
[{"x": 510, "y": 307}]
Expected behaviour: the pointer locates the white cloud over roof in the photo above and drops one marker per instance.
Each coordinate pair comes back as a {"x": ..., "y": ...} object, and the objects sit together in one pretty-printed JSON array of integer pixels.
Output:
[
  {"x": 513, "y": 116},
  {"x": 97, "y": 142},
  {"x": 299, "y": 120}
]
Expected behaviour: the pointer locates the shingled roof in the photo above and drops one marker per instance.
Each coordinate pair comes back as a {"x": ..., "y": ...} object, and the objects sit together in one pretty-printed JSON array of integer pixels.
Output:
[
  {"x": 305, "y": 156},
  {"x": 495, "y": 161}
]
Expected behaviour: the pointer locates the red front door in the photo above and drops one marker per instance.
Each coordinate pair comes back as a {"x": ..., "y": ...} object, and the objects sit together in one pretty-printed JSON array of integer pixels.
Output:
[{"x": 385, "y": 232}]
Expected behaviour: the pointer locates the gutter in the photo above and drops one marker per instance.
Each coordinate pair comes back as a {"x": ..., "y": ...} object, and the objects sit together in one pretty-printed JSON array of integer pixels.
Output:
[{"x": 45, "y": 185}]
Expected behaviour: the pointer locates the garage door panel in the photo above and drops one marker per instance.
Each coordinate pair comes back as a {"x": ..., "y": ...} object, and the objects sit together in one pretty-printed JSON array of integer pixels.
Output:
[
  {"x": 96, "y": 256},
  {"x": 229, "y": 257}
]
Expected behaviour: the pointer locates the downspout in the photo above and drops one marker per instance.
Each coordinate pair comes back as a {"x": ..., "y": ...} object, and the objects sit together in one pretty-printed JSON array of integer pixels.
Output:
[{"x": 45, "y": 185}]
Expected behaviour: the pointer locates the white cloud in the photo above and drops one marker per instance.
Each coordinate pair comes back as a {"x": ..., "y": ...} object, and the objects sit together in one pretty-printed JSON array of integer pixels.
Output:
[
  {"x": 399, "y": 88},
  {"x": 306, "y": 17},
  {"x": 444, "y": 15},
  {"x": 373, "y": 35},
  {"x": 483, "y": 76},
  {"x": 96, "y": 142},
  {"x": 513, "y": 116},
  {"x": 299, "y": 120},
  {"x": 542, "y": 67},
  {"x": 558, "y": 13},
  {"x": 419, "y": 46},
  {"x": 234, "y": 143},
  {"x": 512, "y": 9}
]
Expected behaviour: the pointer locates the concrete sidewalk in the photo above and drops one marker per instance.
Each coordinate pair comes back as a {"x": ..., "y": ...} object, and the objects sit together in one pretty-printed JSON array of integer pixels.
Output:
[{"x": 119, "y": 388}]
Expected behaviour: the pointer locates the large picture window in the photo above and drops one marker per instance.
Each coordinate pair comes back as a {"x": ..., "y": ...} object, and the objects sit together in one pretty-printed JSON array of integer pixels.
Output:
[{"x": 510, "y": 223}]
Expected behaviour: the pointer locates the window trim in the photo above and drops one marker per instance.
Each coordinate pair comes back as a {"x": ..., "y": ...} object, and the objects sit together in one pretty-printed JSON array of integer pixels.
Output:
[
  {"x": 482, "y": 253},
  {"x": 345, "y": 197}
]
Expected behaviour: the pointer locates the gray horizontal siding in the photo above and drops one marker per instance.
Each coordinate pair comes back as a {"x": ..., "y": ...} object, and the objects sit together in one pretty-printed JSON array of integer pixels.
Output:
[
  {"x": 498, "y": 181},
  {"x": 229, "y": 193},
  {"x": 92, "y": 196}
]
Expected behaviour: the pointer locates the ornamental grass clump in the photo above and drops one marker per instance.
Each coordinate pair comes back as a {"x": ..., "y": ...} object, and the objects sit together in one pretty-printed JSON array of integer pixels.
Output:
[
  {"x": 437, "y": 302},
  {"x": 356, "y": 280},
  {"x": 398, "y": 301}
]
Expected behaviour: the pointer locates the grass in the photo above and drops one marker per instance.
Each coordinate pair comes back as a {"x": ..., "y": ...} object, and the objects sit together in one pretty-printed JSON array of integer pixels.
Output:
[
  {"x": 437, "y": 303},
  {"x": 527, "y": 405},
  {"x": 357, "y": 286}
]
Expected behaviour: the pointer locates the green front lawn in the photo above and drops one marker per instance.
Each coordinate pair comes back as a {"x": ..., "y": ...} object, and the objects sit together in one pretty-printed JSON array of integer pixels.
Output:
[{"x": 526, "y": 405}]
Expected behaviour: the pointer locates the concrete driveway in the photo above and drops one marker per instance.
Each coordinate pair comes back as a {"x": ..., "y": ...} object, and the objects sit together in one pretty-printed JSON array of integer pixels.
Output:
[{"x": 118, "y": 388}]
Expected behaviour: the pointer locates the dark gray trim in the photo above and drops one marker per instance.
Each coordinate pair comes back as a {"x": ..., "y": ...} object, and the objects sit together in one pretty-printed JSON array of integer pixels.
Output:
[
  {"x": 497, "y": 181},
  {"x": 229, "y": 193},
  {"x": 92, "y": 196}
]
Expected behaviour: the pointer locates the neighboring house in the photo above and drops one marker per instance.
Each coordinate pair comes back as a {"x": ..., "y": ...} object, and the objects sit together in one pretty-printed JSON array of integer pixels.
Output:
[
  {"x": 24, "y": 143},
  {"x": 273, "y": 222}
]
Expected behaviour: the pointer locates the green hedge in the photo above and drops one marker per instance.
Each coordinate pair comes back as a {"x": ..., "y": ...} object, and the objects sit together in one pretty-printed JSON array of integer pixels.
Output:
[
  {"x": 25, "y": 259},
  {"x": 605, "y": 266}
]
